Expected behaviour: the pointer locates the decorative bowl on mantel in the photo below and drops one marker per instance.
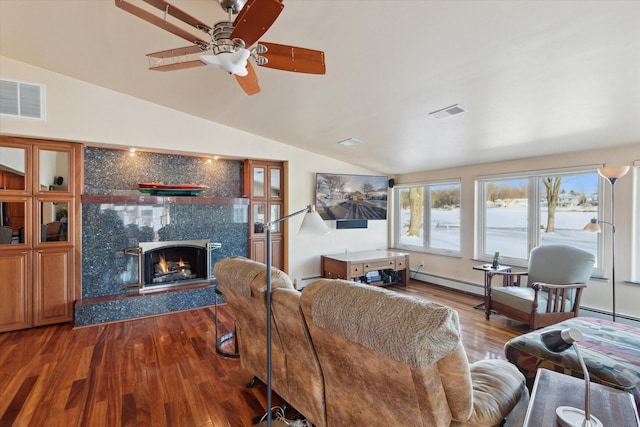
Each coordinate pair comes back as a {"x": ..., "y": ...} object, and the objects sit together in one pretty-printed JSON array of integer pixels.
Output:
[{"x": 160, "y": 189}]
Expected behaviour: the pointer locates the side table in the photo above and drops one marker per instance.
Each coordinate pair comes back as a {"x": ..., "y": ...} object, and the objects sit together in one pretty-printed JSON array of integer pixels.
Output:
[
  {"x": 553, "y": 389},
  {"x": 489, "y": 271}
]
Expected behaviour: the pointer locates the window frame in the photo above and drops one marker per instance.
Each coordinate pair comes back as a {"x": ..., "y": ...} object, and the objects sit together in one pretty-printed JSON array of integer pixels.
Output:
[
  {"x": 533, "y": 212},
  {"x": 426, "y": 218},
  {"x": 635, "y": 261}
]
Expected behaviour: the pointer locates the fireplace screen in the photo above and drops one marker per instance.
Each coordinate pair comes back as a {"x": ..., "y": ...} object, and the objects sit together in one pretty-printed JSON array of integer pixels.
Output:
[{"x": 168, "y": 264}]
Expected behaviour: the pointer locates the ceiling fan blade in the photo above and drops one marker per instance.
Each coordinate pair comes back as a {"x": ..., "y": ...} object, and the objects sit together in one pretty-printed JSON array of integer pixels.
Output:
[
  {"x": 254, "y": 19},
  {"x": 179, "y": 14},
  {"x": 296, "y": 59},
  {"x": 177, "y": 65},
  {"x": 172, "y": 53},
  {"x": 159, "y": 22},
  {"x": 249, "y": 83}
]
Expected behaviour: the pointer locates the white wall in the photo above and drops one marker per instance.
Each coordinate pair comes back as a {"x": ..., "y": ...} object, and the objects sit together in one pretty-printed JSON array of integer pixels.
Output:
[
  {"x": 81, "y": 112},
  {"x": 598, "y": 294}
]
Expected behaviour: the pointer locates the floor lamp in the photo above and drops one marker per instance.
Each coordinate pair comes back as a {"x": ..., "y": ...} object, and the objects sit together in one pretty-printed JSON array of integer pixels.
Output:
[
  {"x": 612, "y": 174},
  {"x": 312, "y": 226}
]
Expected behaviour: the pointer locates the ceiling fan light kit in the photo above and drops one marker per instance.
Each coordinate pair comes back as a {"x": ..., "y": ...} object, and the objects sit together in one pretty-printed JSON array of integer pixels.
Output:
[{"x": 230, "y": 41}]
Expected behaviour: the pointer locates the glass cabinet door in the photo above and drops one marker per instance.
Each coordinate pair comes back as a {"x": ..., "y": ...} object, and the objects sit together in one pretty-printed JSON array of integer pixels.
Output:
[
  {"x": 53, "y": 170},
  {"x": 54, "y": 221},
  {"x": 12, "y": 168},
  {"x": 259, "y": 217},
  {"x": 258, "y": 181},
  {"x": 274, "y": 214},
  {"x": 13, "y": 221},
  {"x": 275, "y": 182}
]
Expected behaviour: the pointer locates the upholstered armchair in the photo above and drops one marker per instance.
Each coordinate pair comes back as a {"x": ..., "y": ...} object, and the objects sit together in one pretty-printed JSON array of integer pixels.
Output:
[
  {"x": 296, "y": 373},
  {"x": 548, "y": 292},
  {"x": 392, "y": 360}
]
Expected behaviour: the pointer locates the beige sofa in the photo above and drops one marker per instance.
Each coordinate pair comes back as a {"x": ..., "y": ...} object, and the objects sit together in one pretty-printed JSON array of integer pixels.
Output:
[{"x": 356, "y": 355}]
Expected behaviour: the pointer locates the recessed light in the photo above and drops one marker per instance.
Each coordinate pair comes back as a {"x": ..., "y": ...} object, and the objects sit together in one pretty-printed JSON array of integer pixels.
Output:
[
  {"x": 445, "y": 113},
  {"x": 349, "y": 142}
]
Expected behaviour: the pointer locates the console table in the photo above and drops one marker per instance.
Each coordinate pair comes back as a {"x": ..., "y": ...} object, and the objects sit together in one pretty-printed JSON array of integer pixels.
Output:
[
  {"x": 357, "y": 264},
  {"x": 552, "y": 389}
]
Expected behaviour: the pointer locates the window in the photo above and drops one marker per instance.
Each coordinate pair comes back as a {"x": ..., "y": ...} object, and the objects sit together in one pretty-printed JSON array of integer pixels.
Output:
[
  {"x": 428, "y": 217},
  {"x": 517, "y": 213}
]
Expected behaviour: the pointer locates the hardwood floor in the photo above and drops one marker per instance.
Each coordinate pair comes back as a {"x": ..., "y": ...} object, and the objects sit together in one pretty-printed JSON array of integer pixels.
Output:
[{"x": 164, "y": 371}]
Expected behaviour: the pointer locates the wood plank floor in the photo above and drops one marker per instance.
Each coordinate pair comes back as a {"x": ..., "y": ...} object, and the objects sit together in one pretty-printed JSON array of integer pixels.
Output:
[{"x": 164, "y": 371}]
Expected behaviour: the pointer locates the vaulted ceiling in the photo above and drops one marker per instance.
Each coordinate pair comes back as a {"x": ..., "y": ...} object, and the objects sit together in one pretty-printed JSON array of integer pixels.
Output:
[{"x": 537, "y": 77}]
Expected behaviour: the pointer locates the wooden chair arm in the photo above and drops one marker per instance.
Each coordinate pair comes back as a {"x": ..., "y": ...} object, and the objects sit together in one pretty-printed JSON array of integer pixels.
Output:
[
  {"x": 540, "y": 286},
  {"x": 508, "y": 278},
  {"x": 558, "y": 296}
]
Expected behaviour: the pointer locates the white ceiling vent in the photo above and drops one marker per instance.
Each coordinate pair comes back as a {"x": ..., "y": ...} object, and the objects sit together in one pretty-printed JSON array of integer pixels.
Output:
[
  {"x": 453, "y": 110},
  {"x": 349, "y": 142},
  {"x": 21, "y": 99}
]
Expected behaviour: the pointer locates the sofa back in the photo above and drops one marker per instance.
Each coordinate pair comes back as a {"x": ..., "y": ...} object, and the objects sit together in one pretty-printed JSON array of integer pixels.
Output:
[
  {"x": 296, "y": 373},
  {"x": 402, "y": 355},
  {"x": 243, "y": 285},
  {"x": 305, "y": 379}
]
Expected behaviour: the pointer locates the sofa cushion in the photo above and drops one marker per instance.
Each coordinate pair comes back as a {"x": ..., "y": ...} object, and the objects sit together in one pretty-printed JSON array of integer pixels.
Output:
[
  {"x": 399, "y": 328},
  {"x": 498, "y": 386},
  {"x": 521, "y": 298}
]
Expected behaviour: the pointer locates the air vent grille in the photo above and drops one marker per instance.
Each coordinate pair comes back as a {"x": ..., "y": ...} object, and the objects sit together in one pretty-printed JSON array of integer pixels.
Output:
[
  {"x": 21, "y": 99},
  {"x": 453, "y": 110}
]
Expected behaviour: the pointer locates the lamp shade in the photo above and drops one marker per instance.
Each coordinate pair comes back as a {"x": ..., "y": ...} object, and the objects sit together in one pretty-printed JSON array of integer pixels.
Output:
[
  {"x": 613, "y": 172},
  {"x": 593, "y": 226},
  {"x": 558, "y": 340},
  {"x": 312, "y": 224}
]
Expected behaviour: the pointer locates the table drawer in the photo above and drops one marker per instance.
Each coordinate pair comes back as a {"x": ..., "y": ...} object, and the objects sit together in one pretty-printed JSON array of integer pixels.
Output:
[
  {"x": 356, "y": 270},
  {"x": 401, "y": 263},
  {"x": 380, "y": 265}
]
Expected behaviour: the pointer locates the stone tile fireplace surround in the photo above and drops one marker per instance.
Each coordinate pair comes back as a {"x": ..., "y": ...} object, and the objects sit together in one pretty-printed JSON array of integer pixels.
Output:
[{"x": 117, "y": 217}]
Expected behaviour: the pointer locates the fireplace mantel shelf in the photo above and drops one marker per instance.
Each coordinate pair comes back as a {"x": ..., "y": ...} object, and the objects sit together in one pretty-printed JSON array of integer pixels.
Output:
[{"x": 162, "y": 200}]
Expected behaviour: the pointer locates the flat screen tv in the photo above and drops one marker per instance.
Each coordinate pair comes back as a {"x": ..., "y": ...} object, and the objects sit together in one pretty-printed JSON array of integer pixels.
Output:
[{"x": 349, "y": 197}]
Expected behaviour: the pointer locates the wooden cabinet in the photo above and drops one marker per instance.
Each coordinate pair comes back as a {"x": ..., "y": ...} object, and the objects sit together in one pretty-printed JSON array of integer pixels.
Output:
[
  {"x": 39, "y": 201},
  {"x": 16, "y": 290},
  {"x": 393, "y": 266},
  {"x": 264, "y": 182}
]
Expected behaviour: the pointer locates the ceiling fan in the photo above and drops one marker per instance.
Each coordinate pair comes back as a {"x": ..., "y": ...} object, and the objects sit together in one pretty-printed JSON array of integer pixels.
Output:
[{"x": 230, "y": 43}]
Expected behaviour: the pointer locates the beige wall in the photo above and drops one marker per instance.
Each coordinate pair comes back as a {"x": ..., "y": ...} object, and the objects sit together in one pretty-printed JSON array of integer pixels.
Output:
[
  {"x": 598, "y": 293},
  {"x": 78, "y": 111}
]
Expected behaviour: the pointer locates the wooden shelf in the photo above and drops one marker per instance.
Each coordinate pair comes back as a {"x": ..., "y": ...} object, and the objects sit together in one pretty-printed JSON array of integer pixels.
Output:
[{"x": 162, "y": 200}]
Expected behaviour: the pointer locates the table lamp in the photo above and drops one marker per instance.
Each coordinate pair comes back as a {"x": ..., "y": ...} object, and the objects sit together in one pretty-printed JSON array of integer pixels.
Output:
[{"x": 557, "y": 341}]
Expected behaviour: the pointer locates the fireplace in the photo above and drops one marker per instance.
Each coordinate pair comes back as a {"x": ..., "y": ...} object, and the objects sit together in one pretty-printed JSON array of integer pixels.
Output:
[{"x": 175, "y": 263}]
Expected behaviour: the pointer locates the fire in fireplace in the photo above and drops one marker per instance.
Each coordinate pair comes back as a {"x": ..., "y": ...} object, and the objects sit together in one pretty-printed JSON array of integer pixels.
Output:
[
  {"x": 169, "y": 271},
  {"x": 172, "y": 263}
]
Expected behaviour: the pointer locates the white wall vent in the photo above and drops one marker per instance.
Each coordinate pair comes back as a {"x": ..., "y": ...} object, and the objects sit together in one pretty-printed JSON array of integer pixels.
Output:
[
  {"x": 21, "y": 99},
  {"x": 453, "y": 110}
]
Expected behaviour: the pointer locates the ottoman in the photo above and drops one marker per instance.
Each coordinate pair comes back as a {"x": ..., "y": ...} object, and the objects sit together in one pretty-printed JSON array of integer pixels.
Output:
[{"x": 610, "y": 350}]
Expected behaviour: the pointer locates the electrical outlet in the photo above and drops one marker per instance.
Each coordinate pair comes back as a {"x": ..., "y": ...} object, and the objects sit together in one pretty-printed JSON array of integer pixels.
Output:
[{"x": 421, "y": 263}]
